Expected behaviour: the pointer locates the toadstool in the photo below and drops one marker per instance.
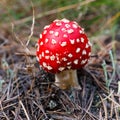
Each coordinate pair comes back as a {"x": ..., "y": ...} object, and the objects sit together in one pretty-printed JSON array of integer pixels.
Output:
[{"x": 62, "y": 48}]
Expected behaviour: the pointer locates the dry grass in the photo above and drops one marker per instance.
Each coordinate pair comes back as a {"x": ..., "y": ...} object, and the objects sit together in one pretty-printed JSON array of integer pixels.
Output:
[{"x": 29, "y": 93}]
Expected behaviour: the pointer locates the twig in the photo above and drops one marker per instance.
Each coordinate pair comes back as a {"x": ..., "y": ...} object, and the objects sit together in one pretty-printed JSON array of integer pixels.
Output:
[
  {"x": 27, "y": 51},
  {"x": 118, "y": 105},
  {"x": 41, "y": 108},
  {"x": 32, "y": 27},
  {"x": 104, "y": 107},
  {"x": 115, "y": 108},
  {"x": 3, "y": 111},
  {"x": 24, "y": 110},
  {"x": 105, "y": 98},
  {"x": 91, "y": 100}
]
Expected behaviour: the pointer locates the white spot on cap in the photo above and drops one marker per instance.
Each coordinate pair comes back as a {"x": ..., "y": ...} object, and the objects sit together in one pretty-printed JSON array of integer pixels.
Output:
[
  {"x": 47, "y": 57},
  {"x": 63, "y": 29},
  {"x": 65, "y": 20},
  {"x": 44, "y": 64},
  {"x": 40, "y": 36},
  {"x": 42, "y": 54},
  {"x": 75, "y": 61},
  {"x": 41, "y": 43},
  {"x": 54, "y": 41},
  {"x": 45, "y": 31},
  {"x": 89, "y": 54},
  {"x": 67, "y": 25},
  {"x": 72, "y": 41},
  {"x": 58, "y": 61},
  {"x": 75, "y": 22},
  {"x": 51, "y": 32},
  {"x": 78, "y": 40},
  {"x": 46, "y": 51},
  {"x": 47, "y": 26},
  {"x": 83, "y": 61},
  {"x": 86, "y": 46},
  {"x": 70, "y": 31},
  {"x": 56, "y": 20},
  {"x": 68, "y": 63},
  {"x": 63, "y": 44},
  {"x": 57, "y": 54},
  {"x": 65, "y": 36},
  {"x": 82, "y": 39},
  {"x": 64, "y": 59},
  {"x": 52, "y": 57},
  {"x": 69, "y": 67},
  {"x": 77, "y": 50},
  {"x": 70, "y": 55},
  {"x": 49, "y": 67},
  {"x": 58, "y": 23},
  {"x": 61, "y": 68},
  {"x": 81, "y": 31},
  {"x": 74, "y": 26},
  {"x": 84, "y": 52},
  {"x": 56, "y": 34},
  {"x": 46, "y": 40}
]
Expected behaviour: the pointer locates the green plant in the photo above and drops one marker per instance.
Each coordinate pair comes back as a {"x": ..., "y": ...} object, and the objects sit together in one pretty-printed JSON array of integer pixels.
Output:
[{"x": 104, "y": 65}]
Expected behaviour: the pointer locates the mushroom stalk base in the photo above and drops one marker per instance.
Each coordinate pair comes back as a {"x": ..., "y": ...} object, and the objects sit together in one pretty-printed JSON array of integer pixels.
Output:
[{"x": 67, "y": 79}]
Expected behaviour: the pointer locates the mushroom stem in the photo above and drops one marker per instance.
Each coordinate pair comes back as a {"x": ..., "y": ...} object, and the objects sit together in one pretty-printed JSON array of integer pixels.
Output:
[{"x": 67, "y": 79}]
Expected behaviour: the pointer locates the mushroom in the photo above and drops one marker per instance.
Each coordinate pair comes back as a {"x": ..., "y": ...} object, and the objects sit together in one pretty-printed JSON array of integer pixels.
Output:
[{"x": 63, "y": 48}]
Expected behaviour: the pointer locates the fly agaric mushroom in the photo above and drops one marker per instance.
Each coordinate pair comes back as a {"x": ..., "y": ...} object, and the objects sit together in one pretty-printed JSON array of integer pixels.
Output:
[{"x": 63, "y": 48}]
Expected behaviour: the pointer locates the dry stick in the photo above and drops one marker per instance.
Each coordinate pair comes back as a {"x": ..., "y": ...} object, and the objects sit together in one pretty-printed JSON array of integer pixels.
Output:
[
  {"x": 11, "y": 99},
  {"x": 116, "y": 114},
  {"x": 18, "y": 117},
  {"x": 91, "y": 100},
  {"x": 41, "y": 108},
  {"x": 113, "y": 101},
  {"x": 79, "y": 107},
  {"x": 3, "y": 111},
  {"x": 104, "y": 107},
  {"x": 111, "y": 109},
  {"x": 32, "y": 27},
  {"x": 100, "y": 115},
  {"x": 105, "y": 98},
  {"x": 58, "y": 10},
  {"x": 96, "y": 80},
  {"x": 24, "y": 110},
  {"x": 90, "y": 114},
  {"x": 4, "y": 39},
  {"x": 6, "y": 107},
  {"x": 108, "y": 97},
  {"x": 115, "y": 109},
  {"x": 20, "y": 41}
]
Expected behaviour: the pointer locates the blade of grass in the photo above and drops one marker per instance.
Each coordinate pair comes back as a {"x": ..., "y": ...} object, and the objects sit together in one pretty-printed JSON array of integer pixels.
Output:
[{"x": 105, "y": 72}]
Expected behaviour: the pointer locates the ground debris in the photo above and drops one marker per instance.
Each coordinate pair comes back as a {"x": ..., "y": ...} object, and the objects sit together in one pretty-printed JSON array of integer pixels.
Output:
[{"x": 29, "y": 92}]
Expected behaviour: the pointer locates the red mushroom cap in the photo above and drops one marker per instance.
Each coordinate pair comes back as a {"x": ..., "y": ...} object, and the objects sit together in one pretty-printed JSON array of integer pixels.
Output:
[{"x": 63, "y": 45}]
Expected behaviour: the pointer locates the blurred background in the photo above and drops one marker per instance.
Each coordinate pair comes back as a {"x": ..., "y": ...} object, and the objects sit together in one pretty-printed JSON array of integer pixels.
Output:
[{"x": 100, "y": 18}]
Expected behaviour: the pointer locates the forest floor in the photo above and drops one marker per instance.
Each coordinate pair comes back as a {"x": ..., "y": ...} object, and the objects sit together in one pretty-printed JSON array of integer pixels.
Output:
[{"x": 27, "y": 92}]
